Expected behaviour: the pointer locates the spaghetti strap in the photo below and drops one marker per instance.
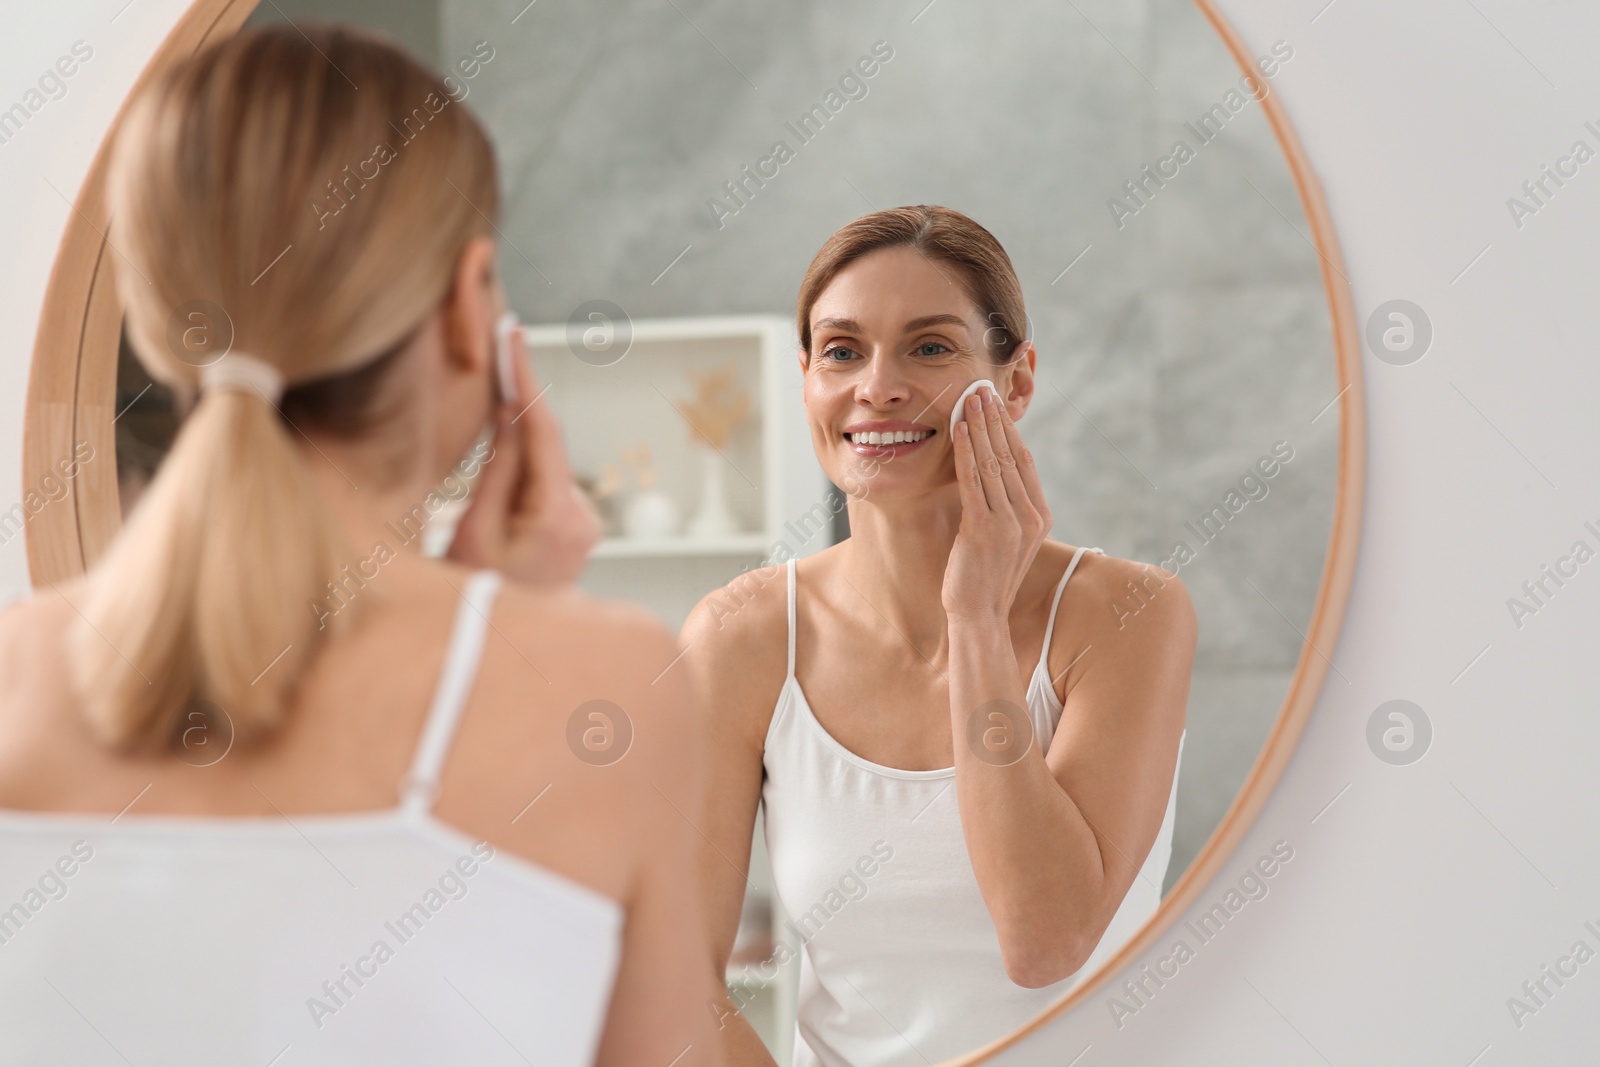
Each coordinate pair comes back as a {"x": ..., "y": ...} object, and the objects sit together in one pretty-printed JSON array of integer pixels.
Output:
[
  {"x": 461, "y": 660},
  {"x": 1055, "y": 604},
  {"x": 790, "y": 677}
]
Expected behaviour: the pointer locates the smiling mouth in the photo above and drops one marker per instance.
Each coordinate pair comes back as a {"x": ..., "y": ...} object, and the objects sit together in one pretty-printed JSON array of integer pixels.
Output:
[{"x": 896, "y": 437}]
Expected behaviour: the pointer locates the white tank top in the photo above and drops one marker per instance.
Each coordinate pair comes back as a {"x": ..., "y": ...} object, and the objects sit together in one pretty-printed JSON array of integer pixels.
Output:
[
  {"x": 901, "y": 961},
  {"x": 383, "y": 937}
]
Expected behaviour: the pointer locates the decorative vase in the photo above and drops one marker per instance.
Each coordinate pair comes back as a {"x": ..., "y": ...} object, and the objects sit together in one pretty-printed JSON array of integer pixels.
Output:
[
  {"x": 650, "y": 515},
  {"x": 713, "y": 520}
]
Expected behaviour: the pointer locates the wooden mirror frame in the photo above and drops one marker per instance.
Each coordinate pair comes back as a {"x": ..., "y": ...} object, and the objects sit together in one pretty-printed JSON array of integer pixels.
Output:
[{"x": 72, "y": 390}]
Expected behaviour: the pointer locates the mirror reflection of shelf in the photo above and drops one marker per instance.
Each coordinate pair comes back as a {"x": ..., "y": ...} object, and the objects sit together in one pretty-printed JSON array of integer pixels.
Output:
[
  {"x": 638, "y": 401},
  {"x": 643, "y": 548}
]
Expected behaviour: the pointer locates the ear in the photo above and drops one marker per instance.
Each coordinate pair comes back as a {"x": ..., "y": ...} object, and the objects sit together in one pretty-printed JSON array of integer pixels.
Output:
[
  {"x": 803, "y": 358},
  {"x": 471, "y": 306},
  {"x": 1018, "y": 387}
]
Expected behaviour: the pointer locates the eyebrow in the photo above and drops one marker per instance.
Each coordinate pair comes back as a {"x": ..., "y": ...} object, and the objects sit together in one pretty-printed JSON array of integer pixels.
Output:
[
  {"x": 852, "y": 326},
  {"x": 937, "y": 320}
]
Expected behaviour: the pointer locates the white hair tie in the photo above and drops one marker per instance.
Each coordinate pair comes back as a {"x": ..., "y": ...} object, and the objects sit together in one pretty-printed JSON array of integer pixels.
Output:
[{"x": 243, "y": 373}]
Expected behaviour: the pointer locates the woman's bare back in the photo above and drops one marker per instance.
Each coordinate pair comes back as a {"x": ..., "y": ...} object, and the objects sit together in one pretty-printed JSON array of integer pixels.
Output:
[{"x": 347, "y": 742}]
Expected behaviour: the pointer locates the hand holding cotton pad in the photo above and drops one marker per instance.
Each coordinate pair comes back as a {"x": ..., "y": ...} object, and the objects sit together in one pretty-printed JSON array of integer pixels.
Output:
[{"x": 961, "y": 402}]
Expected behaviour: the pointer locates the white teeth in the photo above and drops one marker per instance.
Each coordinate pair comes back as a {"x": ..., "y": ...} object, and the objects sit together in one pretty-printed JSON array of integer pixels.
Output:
[{"x": 895, "y": 438}]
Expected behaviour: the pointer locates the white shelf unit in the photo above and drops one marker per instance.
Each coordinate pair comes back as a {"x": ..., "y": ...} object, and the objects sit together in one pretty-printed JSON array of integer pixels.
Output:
[
  {"x": 634, "y": 548},
  {"x": 772, "y": 481}
]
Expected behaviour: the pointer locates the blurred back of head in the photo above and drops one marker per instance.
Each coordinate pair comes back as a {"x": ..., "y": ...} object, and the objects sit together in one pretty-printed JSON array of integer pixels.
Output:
[{"x": 300, "y": 195}]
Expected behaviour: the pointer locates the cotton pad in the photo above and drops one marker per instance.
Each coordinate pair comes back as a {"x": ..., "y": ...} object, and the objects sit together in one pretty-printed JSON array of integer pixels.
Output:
[
  {"x": 960, "y": 409},
  {"x": 503, "y": 330}
]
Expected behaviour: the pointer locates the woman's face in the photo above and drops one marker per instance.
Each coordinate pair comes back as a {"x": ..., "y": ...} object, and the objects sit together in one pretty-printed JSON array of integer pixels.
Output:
[{"x": 894, "y": 340}]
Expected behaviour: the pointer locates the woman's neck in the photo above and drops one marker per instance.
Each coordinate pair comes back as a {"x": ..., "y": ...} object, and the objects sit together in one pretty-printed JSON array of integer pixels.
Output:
[
  {"x": 373, "y": 502},
  {"x": 896, "y": 557}
]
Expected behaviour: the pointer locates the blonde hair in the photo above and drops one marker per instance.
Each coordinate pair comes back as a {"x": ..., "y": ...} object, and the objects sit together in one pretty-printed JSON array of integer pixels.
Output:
[{"x": 272, "y": 177}]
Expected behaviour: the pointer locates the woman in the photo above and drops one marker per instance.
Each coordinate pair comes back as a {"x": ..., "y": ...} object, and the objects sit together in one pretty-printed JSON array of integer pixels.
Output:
[
  {"x": 952, "y": 835},
  {"x": 277, "y": 787}
]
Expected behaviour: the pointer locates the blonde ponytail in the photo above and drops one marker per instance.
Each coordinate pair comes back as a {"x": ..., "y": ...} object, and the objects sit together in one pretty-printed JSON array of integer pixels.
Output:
[
  {"x": 209, "y": 591},
  {"x": 205, "y": 594}
]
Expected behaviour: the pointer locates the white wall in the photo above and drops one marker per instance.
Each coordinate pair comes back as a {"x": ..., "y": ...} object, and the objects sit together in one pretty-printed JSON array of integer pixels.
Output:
[{"x": 41, "y": 167}]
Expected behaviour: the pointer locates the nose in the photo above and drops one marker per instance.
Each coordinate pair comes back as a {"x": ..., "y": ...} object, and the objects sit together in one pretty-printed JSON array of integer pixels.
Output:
[{"x": 883, "y": 385}]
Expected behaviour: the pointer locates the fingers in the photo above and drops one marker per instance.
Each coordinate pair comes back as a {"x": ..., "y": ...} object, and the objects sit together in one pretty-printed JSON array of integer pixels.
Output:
[
  {"x": 546, "y": 477},
  {"x": 522, "y": 371},
  {"x": 482, "y": 530},
  {"x": 499, "y": 479},
  {"x": 1027, "y": 470},
  {"x": 1010, "y": 479},
  {"x": 994, "y": 490},
  {"x": 590, "y": 528},
  {"x": 968, "y": 481}
]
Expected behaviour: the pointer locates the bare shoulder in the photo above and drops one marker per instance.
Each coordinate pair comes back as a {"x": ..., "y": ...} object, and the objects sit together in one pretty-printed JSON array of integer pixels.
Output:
[
  {"x": 39, "y": 725},
  {"x": 33, "y": 652},
  {"x": 745, "y": 613},
  {"x": 1109, "y": 594},
  {"x": 736, "y": 640},
  {"x": 543, "y": 611},
  {"x": 46, "y": 613},
  {"x": 1126, "y": 609},
  {"x": 573, "y": 640}
]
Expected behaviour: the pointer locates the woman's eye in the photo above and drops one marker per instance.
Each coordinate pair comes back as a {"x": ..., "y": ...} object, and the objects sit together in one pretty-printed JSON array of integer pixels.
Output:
[
  {"x": 830, "y": 353},
  {"x": 931, "y": 348}
]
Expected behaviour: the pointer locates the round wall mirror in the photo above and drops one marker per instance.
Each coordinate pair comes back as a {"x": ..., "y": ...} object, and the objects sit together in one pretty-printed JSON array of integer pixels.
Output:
[{"x": 669, "y": 173}]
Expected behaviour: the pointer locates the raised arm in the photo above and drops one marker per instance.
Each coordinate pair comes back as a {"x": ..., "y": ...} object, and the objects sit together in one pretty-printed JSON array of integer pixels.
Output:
[
  {"x": 1055, "y": 843},
  {"x": 726, "y": 658}
]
